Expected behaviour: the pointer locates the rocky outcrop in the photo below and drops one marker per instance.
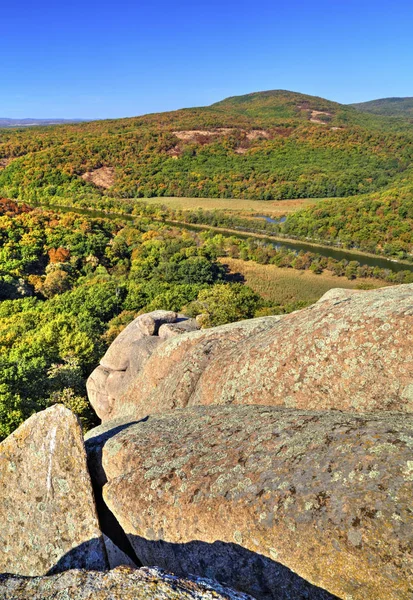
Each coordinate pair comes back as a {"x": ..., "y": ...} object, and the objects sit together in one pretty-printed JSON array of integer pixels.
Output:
[
  {"x": 352, "y": 350},
  {"x": 169, "y": 378},
  {"x": 325, "y": 494},
  {"x": 48, "y": 516},
  {"x": 273, "y": 455},
  {"x": 119, "y": 584},
  {"x": 128, "y": 354}
]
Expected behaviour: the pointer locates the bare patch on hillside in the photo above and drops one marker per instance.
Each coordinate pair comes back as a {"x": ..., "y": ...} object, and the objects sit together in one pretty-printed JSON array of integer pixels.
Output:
[
  {"x": 103, "y": 177},
  {"x": 258, "y": 134},
  {"x": 315, "y": 114},
  {"x": 206, "y": 136},
  {"x": 192, "y": 134},
  {"x": 174, "y": 152}
]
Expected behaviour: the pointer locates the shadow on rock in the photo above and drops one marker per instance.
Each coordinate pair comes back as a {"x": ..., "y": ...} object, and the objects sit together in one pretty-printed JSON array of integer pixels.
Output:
[
  {"x": 79, "y": 557},
  {"x": 108, "y": 523},
  {"x": 230, "y": 564}
]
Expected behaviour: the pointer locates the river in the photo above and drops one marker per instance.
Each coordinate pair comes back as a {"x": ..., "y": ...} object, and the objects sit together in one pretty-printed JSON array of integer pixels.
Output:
[{"x": 294, "y": 245}]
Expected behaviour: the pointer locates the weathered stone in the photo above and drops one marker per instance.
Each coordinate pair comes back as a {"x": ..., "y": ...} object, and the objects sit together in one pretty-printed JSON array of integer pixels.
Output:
[
  {"x": 140, "y": 352},
  {"x": 97, "y": 392},
  {"x": 169, "y": 330},
  {"x": 119, "y": 584},
  {"x": 106, "y": 386},
  {"x": 126, "y": 357},
  {"x": 151, "y": 322},
  {"x": 205, "y": 490},
  {"x": 118, "y": 354},
  {"x": 170, "y": 376},
  {"x": 49, "y": 520},
  {"x": 350, "y": 351}
]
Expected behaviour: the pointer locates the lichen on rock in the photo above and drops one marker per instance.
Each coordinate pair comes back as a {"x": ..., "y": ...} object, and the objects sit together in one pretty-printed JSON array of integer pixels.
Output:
[
  {"x": 352, "y": 350},
  {"x": 326, "y": 494},
  {"x": 49, "y": 521},
  {"x": 119, "y": 584}
]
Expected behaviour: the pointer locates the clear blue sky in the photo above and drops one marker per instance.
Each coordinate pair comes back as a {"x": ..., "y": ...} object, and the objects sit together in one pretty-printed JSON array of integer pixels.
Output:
[{"x": 113, "y": 59}]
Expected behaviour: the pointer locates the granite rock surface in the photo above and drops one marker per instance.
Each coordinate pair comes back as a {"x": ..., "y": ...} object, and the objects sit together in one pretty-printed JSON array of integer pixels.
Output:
[
  {"x": 325, "y": 496},
  {"x": 352, "y": 350},
  {"x": 170, "y": 377},
  {"x": 127, "y": 355},
  {"x": 119, "y": 584},
  {"x": 48, "y": 515}
]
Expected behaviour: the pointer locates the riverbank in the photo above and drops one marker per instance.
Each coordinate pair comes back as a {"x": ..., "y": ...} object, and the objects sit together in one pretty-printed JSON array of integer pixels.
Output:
[{"x": 371, "y": 260}]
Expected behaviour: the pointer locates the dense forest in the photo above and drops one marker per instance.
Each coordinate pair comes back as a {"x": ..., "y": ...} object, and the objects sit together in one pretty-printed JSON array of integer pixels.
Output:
[
  {"x": 69, "y": 283},
  {"x": 380, "y": 222},
  {"x": 269, "y": 145}
]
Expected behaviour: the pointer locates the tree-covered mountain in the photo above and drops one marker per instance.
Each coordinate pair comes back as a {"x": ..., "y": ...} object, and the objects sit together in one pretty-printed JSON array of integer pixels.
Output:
[
  {"x": 390, "y": 107},
  {"x": 266, "y": 145}
]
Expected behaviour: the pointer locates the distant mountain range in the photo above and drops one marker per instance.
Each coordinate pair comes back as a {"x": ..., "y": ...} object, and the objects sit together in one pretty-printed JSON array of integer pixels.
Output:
[
  {"x": 4, "y": 122},
  {"x": 389, "y": 107}
]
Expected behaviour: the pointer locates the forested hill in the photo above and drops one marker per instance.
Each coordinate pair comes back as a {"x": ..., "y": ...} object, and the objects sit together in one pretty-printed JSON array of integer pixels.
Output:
[
  {"x": 390, "y": 107},
  {"x": 268, "y": 145}
]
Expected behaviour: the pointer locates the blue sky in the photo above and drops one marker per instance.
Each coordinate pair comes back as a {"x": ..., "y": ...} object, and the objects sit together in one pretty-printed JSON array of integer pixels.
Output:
[{"x": 105, "y": 59}]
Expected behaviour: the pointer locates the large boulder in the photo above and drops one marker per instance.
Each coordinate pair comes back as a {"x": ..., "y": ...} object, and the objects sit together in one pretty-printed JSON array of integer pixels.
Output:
[
  {"x": 119, "y": 584},
  {"x": 127, "y": 355},
  {"x": 170, "y": 376},
  {"x": 269, "y": 499},
  {"x": 48, "y": 516},
  {"x": 352, "y": 350}
]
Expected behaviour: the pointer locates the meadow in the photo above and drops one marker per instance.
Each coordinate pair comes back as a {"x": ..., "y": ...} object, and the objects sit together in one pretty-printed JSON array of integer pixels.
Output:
[
  {"x": 276, "y": 208},
  {"x": 281, "y": 286}
]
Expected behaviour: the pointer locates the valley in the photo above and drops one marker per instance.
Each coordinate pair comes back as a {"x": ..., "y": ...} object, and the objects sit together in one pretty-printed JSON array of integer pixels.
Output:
[
  {"x": 242, "y": 207},
  {"x": 256, "y": 205},
  {"x": 206, "y": 301},
  {"x": 264, "y": 147}
]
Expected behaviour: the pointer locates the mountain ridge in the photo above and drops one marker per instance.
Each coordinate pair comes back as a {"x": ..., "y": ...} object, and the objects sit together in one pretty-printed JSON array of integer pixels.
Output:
[
  {"x": 390, "y": 107},
  {"x": 271, "y": 145},
  {"x": 29, "y": 122}
]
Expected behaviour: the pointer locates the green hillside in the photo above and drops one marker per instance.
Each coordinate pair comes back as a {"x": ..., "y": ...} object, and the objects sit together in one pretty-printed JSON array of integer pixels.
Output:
[
  {"x": 276, "y": 104},
  {"x": 390, "y": 107},
  {"x": 268, "y": 145},
  {"x": 262, "y": 146},
  {"x": 381, "y": 222}
]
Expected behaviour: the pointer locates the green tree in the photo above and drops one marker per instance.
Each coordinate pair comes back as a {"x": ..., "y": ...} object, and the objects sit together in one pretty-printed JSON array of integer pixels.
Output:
[{"x": 224, "y": 303}]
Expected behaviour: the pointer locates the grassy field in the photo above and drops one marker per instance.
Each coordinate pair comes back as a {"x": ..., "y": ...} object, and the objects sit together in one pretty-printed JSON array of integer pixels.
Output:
[
  {"x": 284, "y": 286},
  {"x": 277, "y": 208}
]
